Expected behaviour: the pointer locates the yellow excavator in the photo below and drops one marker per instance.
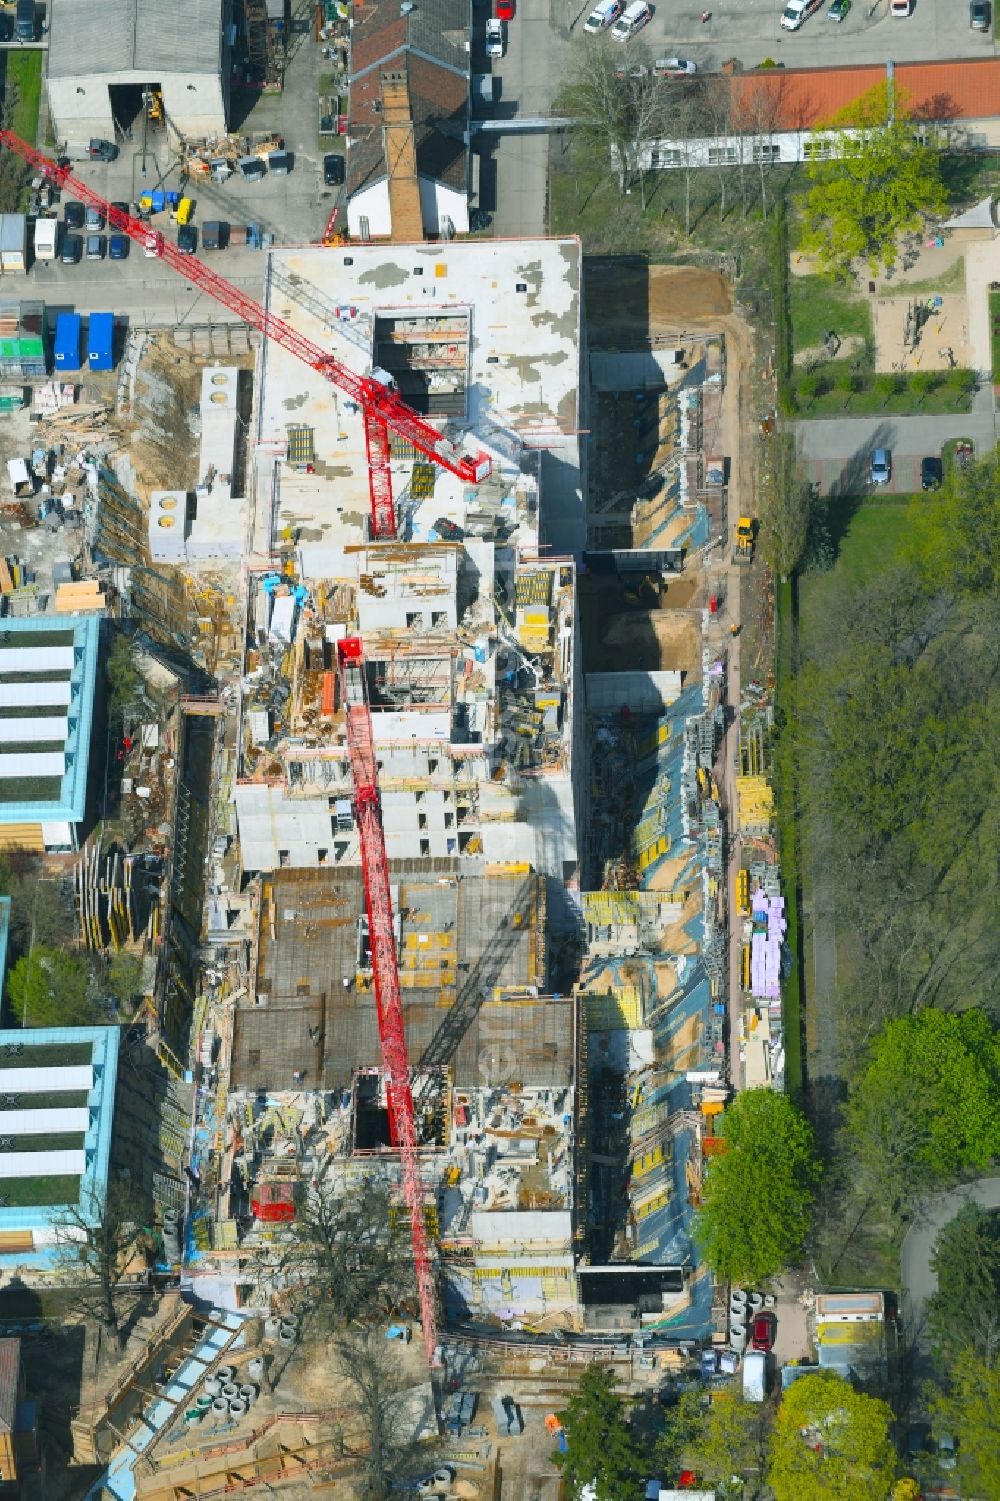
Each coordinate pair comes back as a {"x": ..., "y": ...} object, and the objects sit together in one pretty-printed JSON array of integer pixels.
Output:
[{"x": 744, "y": 533}]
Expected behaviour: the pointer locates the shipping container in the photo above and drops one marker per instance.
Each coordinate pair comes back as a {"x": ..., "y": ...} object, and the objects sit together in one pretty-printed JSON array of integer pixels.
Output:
[
  {"x": 100, "y": 341},
  {"x": 67, "y": 343},
  {"x": 13, "y": 242},
  {"x": 214, "y": 234}
]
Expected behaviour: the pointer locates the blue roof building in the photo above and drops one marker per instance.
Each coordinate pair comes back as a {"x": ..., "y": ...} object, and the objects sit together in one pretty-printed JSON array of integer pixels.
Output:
[
  {"x": 48, "y": 678},
  {"x": 57, "y": 1100}
]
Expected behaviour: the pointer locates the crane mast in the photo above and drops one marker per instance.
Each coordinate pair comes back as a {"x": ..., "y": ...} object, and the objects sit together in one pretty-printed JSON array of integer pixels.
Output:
[
  {"x": 383, "y": 413},
  {"x": 383, "y": 409},
  {"x": 382, "y": 942}
]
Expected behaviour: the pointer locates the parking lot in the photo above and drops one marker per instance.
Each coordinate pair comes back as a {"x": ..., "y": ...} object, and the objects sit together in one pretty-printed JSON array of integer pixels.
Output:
[
  {"x": 294, "y": 209},
  {"x": 750, "y": 31}
]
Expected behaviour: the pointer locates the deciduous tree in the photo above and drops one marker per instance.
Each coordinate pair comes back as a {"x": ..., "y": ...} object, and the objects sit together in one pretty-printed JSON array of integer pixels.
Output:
[
  {"x": 969, "y": 1409},
  {"x": 758, "y": 1193},
  {"x": 98, "y": 1240},
  {"x": 51, "y": 988},
  {"x": 351, "y": 1253},
  {"x": 831, "y": 1443},
  {"x": 880, "y": 182},
  {"x": 927, "y": 1107},
  {"x": 964, "y": 1313},
  {"x": 725, "y": 1442},
  {"x": 616, "y": 104},
  {"x": 600, "y": 1449}
]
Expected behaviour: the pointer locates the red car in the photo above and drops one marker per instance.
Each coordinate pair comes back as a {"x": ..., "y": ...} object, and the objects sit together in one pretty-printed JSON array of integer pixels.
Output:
[
  {"x": 762, "y": 1332},
  {"x": 505, "y": 10}
]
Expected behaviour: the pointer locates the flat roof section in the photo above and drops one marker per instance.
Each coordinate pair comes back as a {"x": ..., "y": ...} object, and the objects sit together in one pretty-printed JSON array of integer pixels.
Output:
[{"x": 461, "y": 938}]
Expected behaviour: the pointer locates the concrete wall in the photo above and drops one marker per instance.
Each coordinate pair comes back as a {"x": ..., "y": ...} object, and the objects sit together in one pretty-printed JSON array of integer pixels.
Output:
[
  {"x": 437, "y": 203},
  {"x": 81, "y": 107},
  {"x": 371, "y": 204}
]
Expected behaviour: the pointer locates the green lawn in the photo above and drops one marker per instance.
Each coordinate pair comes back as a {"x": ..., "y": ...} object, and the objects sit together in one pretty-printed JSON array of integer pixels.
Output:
[
  {"x": 25, "y": 70},
  {"x": 995, "y": 329},
  {"x": 820, "y": 304},
  {"x": 36, "y": 1193},
  {"x": 56, "y": 1100},
  {"x": 49, "y": 1055},
  {"x": 873, "y": 535}
]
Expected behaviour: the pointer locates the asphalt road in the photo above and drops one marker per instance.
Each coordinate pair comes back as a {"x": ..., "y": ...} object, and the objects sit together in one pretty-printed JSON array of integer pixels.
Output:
[
  {"x": 918, "y": 1280},
  {"x": 836, "y": 450},
  {"x": 750, "y": 30}
]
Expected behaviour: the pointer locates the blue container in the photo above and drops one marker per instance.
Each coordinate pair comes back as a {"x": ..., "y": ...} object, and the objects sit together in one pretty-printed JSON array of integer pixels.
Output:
[
  {"x": 67, "y": 345},
  {"x": 100, "y": 339},
  {"x": 173, "y": 198},
  {"x": 159, "y": 198}
]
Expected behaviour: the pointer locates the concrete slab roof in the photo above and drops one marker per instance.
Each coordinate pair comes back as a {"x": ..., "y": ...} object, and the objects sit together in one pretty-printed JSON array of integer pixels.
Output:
[{"x": 518, "y": 308}]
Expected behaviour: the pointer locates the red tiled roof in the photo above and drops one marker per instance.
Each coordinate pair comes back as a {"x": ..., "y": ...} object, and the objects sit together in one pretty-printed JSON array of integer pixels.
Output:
[
  {"x": 438, "y": 98},
  {"x": 802, "y": 98}
]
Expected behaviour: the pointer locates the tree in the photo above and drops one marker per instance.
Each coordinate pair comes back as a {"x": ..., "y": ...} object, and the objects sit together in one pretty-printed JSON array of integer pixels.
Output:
[
  {"x": 964, "y": 1313},
  {"x": 957, "y": 542},
  {"x": 351, "y": 1253},
  {"x": 600, "y": 1449},
  {"x": 923, "y": 382},
  {"x": 880, "y": 181},
  {"x": 810, "y": 385},
  {"x": 50, "y": 987},
  {"x": 97, "y": 1241},
  {"x": 725, "y": 1443},
  {"x": 124, "y": 678},
  {"x": 969, "y": 1409},
  {"x": 927, "y": 1106},
  {"x": 784, "y": 498},
  {"x": 758, "y": 1193},
  {"x": 616, "y": 104},
  {"x": 123, "y": 980},
  {"x": 830, "y": 1441},
  {"x": 393, "y": 1426}
]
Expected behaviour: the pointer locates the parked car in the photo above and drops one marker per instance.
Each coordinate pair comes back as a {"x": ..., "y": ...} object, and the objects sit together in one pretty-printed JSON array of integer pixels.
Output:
[
  {"x": 334, "y": 168},
  {"x": 605, "y": 14},
  {"x": 797, "y": 11},
  {"x": 94, "y": 219},
  {"x": 979, "y": 15},
  {"x": 187, "y": 239},
  {"x": 6, "y": 28},
  {"x": 123, "y": 208},
  {"x": 505, "y": 10},
  {"x": 839, "y": 10},
  {"x": 72, "y": 250},
  {"x": 25, "y": 20},
  {"x": 447, "y": 530},
  {"x": 900, "y": 8},
  {"x": 74, "y": 215},
  {"x": 931, "y": 474},
  {"x": 763, "y": 1331},
  {"x": 102, "y": 151},
  {"x": 633, "y": 19},
  {"x": 880, "y": 469},
  {"x": 674, "y": 67},
  {"x": 96, "y": 245},
  {"x": 496, "y": 42},
  {"x": 118, "y": 247}
]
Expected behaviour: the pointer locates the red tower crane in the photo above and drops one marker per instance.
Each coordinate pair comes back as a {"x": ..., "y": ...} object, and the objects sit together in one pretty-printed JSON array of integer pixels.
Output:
[
  {"x": 382, "y": 941},
  {"x": 382, "y": 408},
  {"x": 383, "y": 411}
]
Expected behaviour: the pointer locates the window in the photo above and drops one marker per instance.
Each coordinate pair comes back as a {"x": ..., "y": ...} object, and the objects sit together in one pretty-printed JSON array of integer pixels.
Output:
[
  {"x": 722, "y": 156},
  {"x": 766, "y": 151},
  {"x": 425, "y": 846},
  {"x": 449, "y": 820},
  {"x": 321, "y": 856},
  {"x": 439, "y": 617},
  {"x": 816, "y": 150},
  {"x": 665, "y": 156},
  {"x": 421, "y": 820},
  {"x": 282, "y": 857},
  {"x": 432, "y": 766},
  {"x": 414, "y": 620},
  {"x": 520, "y": 286}
]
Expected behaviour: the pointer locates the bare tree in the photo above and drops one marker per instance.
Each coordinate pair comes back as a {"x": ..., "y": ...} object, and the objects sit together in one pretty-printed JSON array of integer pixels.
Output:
[
  {"x": 393, "y": 1413},
  {"x": 353, "y": 1251},
  {"x": 98, "y": 1240},
  {"x": 616, "y": 104}
]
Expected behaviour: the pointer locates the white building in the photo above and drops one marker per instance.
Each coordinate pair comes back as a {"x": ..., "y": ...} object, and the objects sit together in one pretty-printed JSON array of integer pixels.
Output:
[
  {"x": 104, "y": 54},
  {"x": 469, "y": 627}
]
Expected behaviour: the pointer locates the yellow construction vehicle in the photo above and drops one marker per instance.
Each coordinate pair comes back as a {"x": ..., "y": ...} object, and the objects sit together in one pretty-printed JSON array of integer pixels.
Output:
[{"x": 743, "y": 540}]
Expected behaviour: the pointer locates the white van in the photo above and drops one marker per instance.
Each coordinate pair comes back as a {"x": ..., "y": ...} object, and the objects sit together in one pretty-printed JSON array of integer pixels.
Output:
[
  {"x": 633, "y": 20},
  {"x": 754, "y": 1376},
  {"x": 601, "y": 18},
  {"x": 46, "y": 239},
  {"x": 900, "y": 8}
]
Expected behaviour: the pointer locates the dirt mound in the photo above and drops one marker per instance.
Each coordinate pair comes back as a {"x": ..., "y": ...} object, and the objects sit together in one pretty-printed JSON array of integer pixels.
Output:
[{"x": 629, "y": 301}]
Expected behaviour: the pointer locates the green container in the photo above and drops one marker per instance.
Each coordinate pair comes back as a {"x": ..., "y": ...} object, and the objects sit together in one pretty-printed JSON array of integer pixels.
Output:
[{"x": 30, "y": 349}]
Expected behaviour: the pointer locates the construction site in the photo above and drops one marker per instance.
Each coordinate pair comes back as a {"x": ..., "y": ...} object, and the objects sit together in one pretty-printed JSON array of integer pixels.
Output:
[{"x": 432, "y": 801}]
